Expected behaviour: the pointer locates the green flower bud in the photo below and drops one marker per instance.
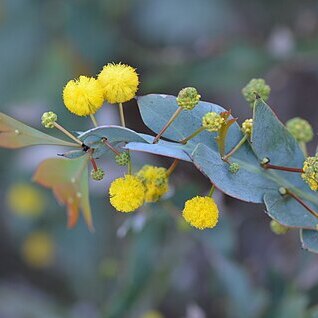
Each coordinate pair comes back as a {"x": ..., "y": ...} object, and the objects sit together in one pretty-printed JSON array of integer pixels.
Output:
[
  {"x": 256, "y": 86},
  {"x": 234, "y": 167},
  {"x": 300, "y": 129},
  {"x": 310, "y": 174},
  {"x": 212, "y": 121},
  {"x": 247, "y": 127},
  {"x": 277, "y": 228},
  {"x": 48, "y": 119},
  {"x": 188, "y": 98},
  {"x": 98, "y": 174},
  {"x": 122, "y": 159}
]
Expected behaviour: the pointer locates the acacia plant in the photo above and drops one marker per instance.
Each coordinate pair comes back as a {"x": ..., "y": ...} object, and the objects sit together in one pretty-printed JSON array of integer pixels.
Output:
[{"x": 261, "y": 161}]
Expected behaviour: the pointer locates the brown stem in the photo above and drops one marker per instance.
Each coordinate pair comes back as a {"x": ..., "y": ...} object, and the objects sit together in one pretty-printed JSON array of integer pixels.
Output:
[
  {"x": 166, "y": 126},
  {"x": 294, "y": 196},
  {"x": 172, "y": 167},
  {"x": 282, "y": 168},
  {"x": 113, "y": 149},
  {"x": 94, "y": 164}
]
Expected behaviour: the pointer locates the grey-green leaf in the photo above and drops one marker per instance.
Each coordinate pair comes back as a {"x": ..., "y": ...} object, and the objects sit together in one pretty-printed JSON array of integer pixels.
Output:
[
  {"x": 248, "y": 184},
  {"x": 309, "y": 240},
  {"x": 288, "y": 211},
  {"x": 157, "y": 109}
]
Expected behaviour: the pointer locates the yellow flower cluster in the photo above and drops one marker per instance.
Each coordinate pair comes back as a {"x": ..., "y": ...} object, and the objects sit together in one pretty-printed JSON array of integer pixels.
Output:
[
  {"x": 38, "y": 250},
  {"x": 155, "y": 181},
  {"x": 247, "y": 126},
  {"x": 83, "y": 96},
  {"x": 201, "y": 212},
  {"x": 119, "y": 81},
  {"x": 25, "y": 200},
  {"x": 310, "y": 174},
  {"x": 116, "y": 83},
  {"x": 212, "y": 121},
  {"x": 127, "y": 194}
]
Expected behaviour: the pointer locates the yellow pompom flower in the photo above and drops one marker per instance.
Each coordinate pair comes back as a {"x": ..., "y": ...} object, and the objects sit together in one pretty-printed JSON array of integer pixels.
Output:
[
  {"x": 155, "y": 180},
  {"x": 119, "y": 81},
  {"x": 38, "y": 250},
  {"x": 201, "y": 212},
  {"x": 310, "y": 174},
  {"x": 127, "y": 194},
  {"x": 83, "y": 96},
  {"x": 25, "y": 200}
]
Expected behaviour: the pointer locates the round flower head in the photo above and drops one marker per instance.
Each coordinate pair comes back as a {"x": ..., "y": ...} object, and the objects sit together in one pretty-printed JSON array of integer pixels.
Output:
[
  {"x": 123, "y": 158},
  {"x": 234, "y": 168},
  {"x": 25, "y": 200},
  {"x": 256, "y": 86},
  {"x": 155, "y": 181},
  {"x": 98, "y": 174},
  {"x": 48, "y": 119},
  {"x": 38, "y": 250},
  {"x": 277, "y": 228},
  {"x": 212, "y": 121},
  {"x": 247, "y": 127},
  {"x": 119, "y": 82},
  {"x": 300, "y": 129},
  {"x": 310, "y": 174},
  {"x": 83, "y": 96},
  {"x": 188, "y": 98},
  {"x": 127, "y": 194},
  {"x": 201, "y": 212}
]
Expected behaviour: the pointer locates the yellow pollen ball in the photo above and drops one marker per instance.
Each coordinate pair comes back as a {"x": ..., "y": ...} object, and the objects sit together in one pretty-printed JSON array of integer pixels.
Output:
[
  {"x": 155, "y": 181},
  {"x": 201, "y": 212},
  {"x": 310, "y": 174},
  {"x": 25, "y": 200},
  {"x": 119, "y": 81},
  {"x": 127, "y": 194},
  {"x": 38, "y": 250},
  {"x": 83, "y": 96}
]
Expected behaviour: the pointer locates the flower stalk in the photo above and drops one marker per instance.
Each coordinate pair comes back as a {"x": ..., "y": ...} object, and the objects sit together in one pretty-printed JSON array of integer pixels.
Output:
[
  {"x": 300, "y": 201},
  {"x": 110, "y": 146},
  {"x": 281, "y": 168},
  {"x": 67, "y": 133},
  {"x": 172, "y": 167},
  {"x": 166, "y": 126},
  {"x": 198, "y": 131},
  {"x": 121, "y": 114},
  {"x": 235, "y": 148}
]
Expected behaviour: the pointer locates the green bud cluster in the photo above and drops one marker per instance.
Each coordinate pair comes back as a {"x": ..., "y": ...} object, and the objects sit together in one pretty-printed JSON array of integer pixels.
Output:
[
  {"x": 122, "y": 159},
  {"x": 300, "y": 129},
  {"x": 98, "y": 174},
  {"x": 257, "y": 86},
  {"x": 48, "y": 119},
  {"x": 234, "y": 168},
  {"x": 188, "y": 98}
]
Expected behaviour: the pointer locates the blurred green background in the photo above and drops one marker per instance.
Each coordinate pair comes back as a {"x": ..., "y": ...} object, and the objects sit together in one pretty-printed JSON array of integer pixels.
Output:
[{"x": 150, "y": 264}]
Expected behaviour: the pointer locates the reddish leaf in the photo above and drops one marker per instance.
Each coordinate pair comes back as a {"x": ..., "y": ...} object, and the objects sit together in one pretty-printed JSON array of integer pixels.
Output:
[{"x": 68, "y": 179}]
